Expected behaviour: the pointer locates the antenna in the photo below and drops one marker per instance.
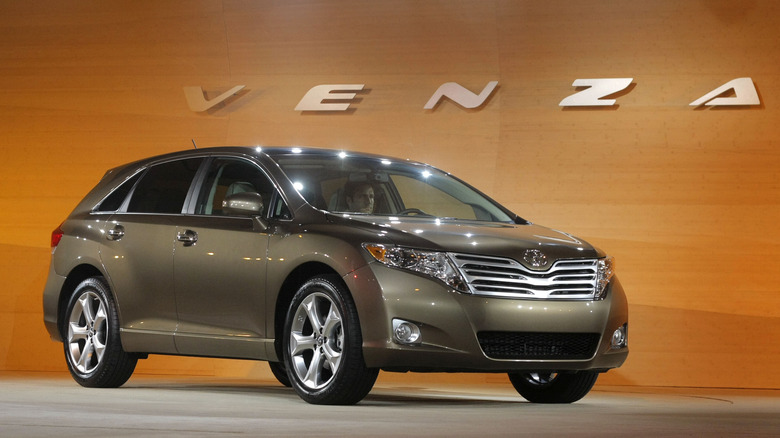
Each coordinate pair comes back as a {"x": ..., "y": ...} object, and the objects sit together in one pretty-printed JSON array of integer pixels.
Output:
[{"x": 193, "y": 143}]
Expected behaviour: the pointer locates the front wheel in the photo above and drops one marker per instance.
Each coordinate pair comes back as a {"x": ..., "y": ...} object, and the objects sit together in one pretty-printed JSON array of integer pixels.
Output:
[
  {"x": 91, "y": 337},
  {"x": 551, "y": 387},
  {"x": 323, "y": 345}
]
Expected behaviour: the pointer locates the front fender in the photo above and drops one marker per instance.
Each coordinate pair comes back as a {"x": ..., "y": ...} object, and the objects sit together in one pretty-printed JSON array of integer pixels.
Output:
[{"x": 339, "y": 253}]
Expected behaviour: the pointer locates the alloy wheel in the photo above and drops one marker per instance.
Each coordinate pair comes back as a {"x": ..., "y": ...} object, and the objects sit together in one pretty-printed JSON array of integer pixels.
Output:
[
  {"x": 87, "y": 332},
  {"x": 316, "y": 341}
]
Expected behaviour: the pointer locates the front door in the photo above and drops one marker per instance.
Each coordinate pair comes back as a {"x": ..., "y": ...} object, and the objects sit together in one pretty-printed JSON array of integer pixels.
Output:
[{"x": 220, "y": 268}]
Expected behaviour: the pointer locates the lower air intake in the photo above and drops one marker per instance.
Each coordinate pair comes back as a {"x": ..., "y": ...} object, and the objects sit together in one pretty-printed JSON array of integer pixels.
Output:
[{"x": 539, "y": 346}]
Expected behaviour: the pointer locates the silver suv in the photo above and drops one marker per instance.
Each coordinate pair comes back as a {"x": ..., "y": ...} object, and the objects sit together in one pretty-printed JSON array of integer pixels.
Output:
[{"x": 330, "y": 266}]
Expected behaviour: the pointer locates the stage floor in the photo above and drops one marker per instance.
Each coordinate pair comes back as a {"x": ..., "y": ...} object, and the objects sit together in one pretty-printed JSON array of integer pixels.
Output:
[{"x": 33, "y": 405}]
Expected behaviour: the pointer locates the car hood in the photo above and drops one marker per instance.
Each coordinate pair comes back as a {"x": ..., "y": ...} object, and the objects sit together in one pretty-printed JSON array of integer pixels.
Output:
[{"x": 485, "y": 238}]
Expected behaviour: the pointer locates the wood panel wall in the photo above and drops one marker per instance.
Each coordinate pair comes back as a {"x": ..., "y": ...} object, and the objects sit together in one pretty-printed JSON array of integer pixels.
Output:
[{"x": 687, "y": 199}]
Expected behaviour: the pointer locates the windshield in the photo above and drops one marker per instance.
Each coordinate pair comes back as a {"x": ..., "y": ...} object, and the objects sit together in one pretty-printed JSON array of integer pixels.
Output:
[{"x": 360, "y": 185}]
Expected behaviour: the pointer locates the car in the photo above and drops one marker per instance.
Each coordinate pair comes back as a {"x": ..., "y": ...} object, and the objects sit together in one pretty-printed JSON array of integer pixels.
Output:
[{"x": 330, "y": 266}]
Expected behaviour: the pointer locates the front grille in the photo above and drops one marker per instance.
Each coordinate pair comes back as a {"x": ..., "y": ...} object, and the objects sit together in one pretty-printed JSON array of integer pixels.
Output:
[
  {"x": 506, "y": 278},
  {"x": 538, "y": 346}
]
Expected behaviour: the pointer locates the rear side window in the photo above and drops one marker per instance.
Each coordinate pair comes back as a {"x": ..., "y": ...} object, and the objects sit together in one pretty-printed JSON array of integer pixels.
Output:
[{"x": 163, "y": 188}]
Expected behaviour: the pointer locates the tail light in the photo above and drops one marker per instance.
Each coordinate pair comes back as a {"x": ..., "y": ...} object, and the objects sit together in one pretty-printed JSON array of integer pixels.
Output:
[{"x": 56, "y": 236}]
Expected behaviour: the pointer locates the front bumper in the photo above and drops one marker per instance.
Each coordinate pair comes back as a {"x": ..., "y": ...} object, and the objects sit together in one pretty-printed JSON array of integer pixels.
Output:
[{"x": 450, "y": 323}]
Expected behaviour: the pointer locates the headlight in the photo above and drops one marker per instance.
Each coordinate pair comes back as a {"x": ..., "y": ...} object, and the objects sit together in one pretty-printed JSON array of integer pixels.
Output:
[
  {"x": 605, "y": 271},
  {"x": 431, "y": 263}
]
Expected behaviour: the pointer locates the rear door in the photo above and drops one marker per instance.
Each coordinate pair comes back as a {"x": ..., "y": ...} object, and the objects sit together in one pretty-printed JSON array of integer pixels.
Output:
[{"x": 138, "y": 255}]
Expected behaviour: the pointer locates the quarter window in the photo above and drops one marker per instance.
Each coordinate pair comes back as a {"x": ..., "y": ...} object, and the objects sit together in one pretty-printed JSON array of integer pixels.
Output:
[{"x": 114, "y": 201}]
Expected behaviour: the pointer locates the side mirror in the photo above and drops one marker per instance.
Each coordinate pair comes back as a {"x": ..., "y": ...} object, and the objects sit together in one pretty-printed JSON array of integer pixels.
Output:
[{"x": 243, "y": 204}]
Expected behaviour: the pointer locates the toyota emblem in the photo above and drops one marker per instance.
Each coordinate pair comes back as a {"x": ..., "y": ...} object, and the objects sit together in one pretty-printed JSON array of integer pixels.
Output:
[{"x": 535, "y": 258}]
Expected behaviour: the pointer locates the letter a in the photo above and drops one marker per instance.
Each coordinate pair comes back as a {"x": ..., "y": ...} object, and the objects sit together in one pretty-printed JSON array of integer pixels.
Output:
[
  {"x": 461, "y": 95},
  {"x": 743, "y": 88}
]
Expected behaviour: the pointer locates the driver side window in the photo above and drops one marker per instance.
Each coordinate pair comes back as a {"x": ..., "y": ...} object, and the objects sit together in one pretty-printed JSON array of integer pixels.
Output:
[{"x": 227, "y": 176}]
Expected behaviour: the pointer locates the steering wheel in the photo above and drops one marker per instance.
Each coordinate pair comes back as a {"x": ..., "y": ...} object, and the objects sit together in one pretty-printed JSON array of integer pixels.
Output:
[{"x": 413, "y": 211}]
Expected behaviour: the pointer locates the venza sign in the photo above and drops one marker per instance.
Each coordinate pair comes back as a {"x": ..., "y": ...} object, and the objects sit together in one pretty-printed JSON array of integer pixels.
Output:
[{"x": 338, "y": 97}]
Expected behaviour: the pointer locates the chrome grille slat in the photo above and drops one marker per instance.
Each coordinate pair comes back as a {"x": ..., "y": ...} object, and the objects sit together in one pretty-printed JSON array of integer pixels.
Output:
[{"x": 507, "y": 278}]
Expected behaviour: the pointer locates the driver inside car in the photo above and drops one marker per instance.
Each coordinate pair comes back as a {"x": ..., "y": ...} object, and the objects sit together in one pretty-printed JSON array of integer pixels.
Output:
[{"x": 359, "y": 197}]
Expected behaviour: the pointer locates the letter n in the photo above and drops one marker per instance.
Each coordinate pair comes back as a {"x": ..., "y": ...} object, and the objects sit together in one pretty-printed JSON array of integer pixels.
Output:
[{"x": 460, "y": 95}]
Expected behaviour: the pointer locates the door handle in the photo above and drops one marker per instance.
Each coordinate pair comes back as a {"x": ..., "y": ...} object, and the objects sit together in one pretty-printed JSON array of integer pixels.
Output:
[
  {"x": 189, "y": 237},
  {"x": 115, "y": 233}
]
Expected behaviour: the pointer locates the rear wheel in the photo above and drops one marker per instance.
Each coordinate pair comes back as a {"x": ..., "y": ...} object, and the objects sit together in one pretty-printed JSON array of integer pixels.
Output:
[
  {"x": 323, "y": 345},
  {"x": 90, "y": 331},
  {"x": 551, "y": 387}
]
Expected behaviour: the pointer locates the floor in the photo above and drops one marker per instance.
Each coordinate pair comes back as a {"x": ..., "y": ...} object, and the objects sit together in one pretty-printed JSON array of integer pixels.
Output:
[{"x": 34, "y": 405}]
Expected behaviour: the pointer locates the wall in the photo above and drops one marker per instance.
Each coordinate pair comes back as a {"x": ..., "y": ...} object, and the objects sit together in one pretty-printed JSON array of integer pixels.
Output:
[{"x": 686, "y": 199}]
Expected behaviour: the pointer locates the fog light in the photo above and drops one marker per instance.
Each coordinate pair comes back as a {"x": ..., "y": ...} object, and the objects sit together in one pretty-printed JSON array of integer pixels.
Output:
[
  {"x": 406, "y": 332},
  {"x": 620, "y": 337}
]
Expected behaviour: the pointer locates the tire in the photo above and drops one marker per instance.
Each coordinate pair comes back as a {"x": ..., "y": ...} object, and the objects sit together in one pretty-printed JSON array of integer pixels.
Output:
[
  {"x": 551, "y": 387},
  {"x": 280, "y": 372},
  {"x": 323, "y": 345},
  {"x": 90, "y": 330}
]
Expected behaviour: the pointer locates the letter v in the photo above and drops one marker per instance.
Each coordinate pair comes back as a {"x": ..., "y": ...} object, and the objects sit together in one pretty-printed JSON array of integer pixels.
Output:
[{"x": 197, "y": 102}]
